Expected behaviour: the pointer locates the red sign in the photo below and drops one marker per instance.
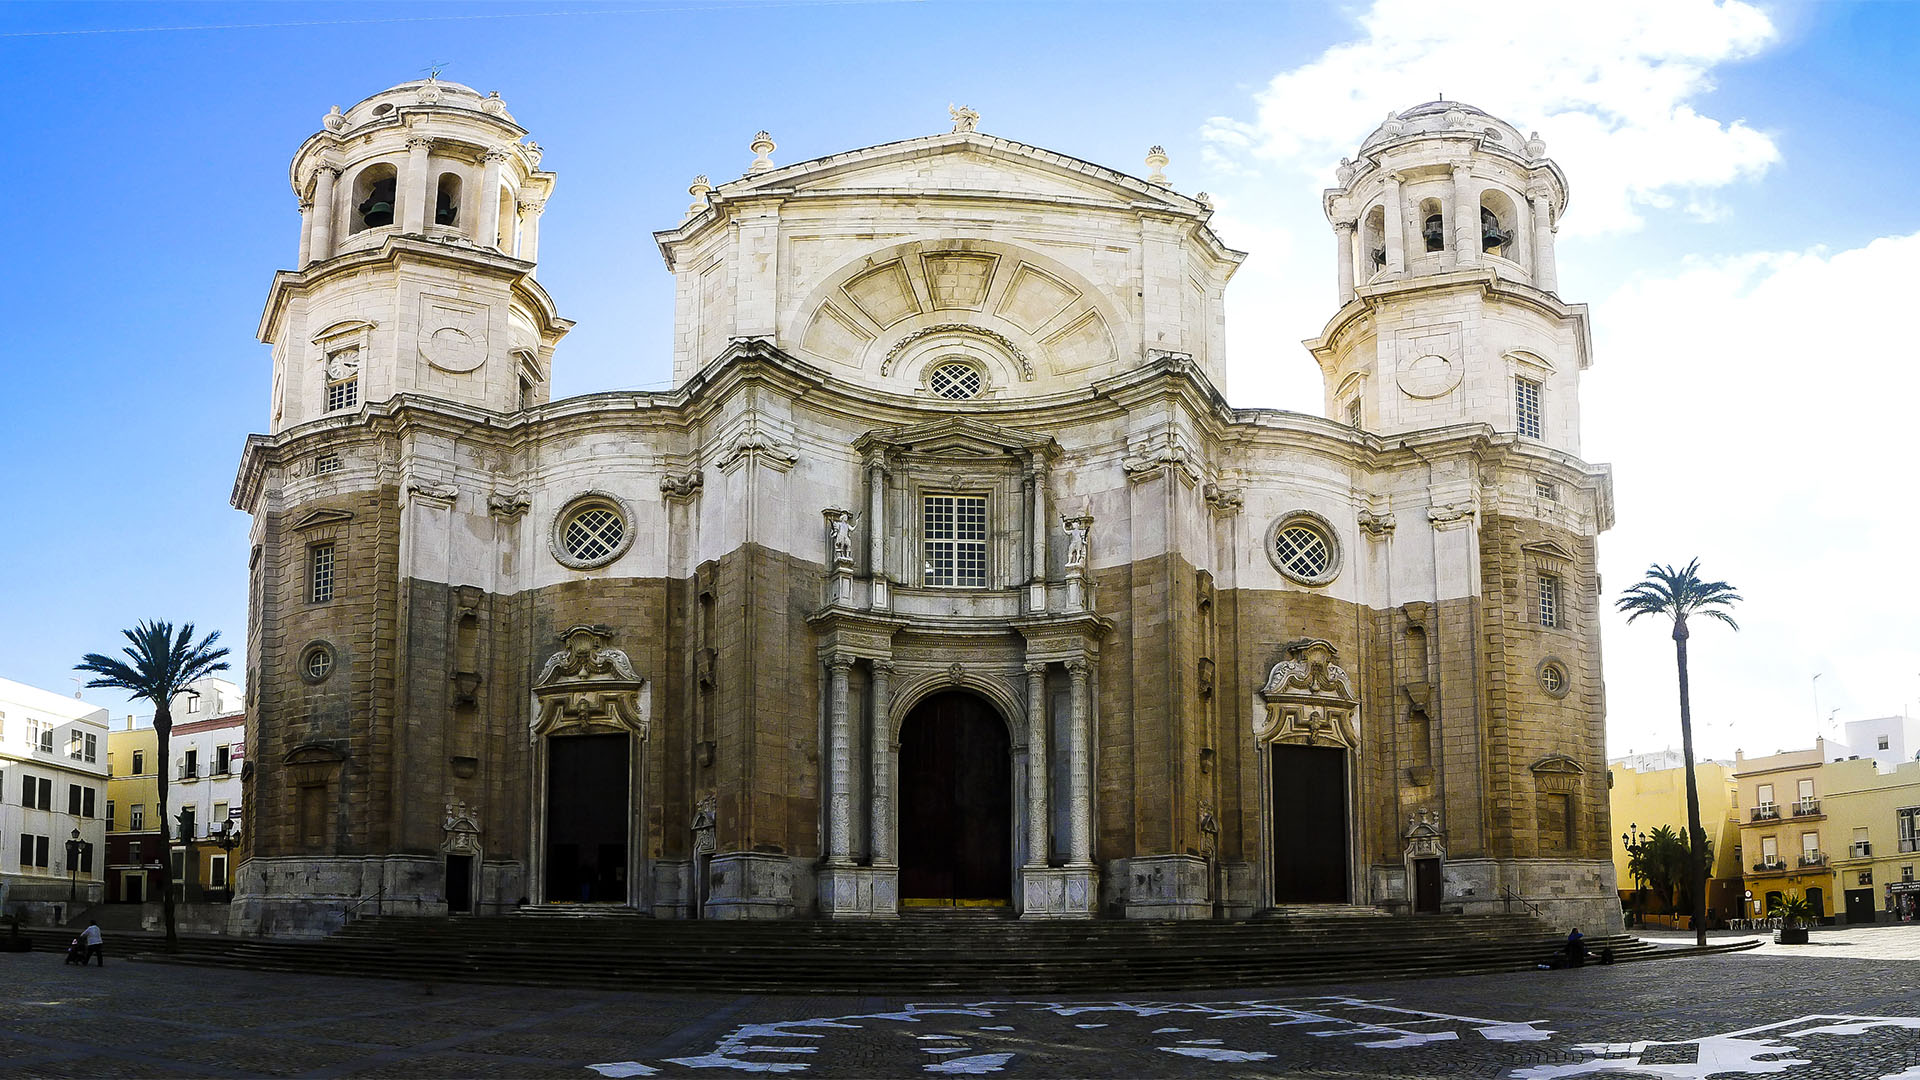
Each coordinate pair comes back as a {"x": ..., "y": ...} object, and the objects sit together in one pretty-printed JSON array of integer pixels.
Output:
[{"x": 237, "y": 752}]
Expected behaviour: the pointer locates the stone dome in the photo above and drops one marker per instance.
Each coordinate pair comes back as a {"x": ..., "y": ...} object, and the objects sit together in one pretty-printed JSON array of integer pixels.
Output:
[
  {"x": 428, "y": 92},
  {"x": 1448, "y": 118}
]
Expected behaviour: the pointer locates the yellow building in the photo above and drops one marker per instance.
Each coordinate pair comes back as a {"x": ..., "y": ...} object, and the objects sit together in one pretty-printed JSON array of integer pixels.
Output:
[
  {"x": 1874, "y": 820},
  {"x": 134, "y": 845},
  {"x": 1647, "y": 791},
  {"x": 1786, "y": 837}
]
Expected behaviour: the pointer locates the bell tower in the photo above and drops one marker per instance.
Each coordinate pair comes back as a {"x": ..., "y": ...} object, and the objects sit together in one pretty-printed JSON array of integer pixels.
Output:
[
  {"x": 1449, "y": 310},
  {"x": 420, "y": 231}
]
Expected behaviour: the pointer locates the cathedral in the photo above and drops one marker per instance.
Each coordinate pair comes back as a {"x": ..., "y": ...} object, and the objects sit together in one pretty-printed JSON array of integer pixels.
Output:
[{"x": 945, "y": 576}]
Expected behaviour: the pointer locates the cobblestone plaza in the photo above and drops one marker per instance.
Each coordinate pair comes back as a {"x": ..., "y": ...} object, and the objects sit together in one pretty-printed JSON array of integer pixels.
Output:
[{"x": 1842, "y": 1007}]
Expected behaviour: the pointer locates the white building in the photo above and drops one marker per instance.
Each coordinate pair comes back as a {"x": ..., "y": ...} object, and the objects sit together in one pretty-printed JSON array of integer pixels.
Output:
[
  {"x": 1888, "y": 740},
  {"x": 53, "y": 789}
]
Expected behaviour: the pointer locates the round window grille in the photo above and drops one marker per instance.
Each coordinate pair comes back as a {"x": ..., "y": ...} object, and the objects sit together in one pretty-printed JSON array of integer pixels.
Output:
[
  {"x": 592, "y": 531},
  {"x": 1553, "y": 679},
  {"x": 955, "y": 381},
  {"x": 316, "y": 663},
  {"x": 1301, "y": 546}
]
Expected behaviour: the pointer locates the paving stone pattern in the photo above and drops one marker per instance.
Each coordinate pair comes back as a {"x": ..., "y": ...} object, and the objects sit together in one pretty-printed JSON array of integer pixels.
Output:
[{"x": 1802, "y": 1016}]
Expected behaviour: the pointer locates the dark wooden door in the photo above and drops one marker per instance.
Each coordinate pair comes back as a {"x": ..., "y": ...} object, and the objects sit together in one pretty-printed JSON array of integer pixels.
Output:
[
  {"x": 1860, "y": 905},
  {"x": 587, "y": 818},
  {"x": 956, "y": 802},
  {"x": 1309, "y": 824},
  {"x": 1426, "y": 885},
  {"x": 459, "y": 884}
]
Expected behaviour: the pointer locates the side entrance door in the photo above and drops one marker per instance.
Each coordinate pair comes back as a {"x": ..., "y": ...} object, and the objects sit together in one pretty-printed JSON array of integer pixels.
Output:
[{"x": 1426, "y": 886}]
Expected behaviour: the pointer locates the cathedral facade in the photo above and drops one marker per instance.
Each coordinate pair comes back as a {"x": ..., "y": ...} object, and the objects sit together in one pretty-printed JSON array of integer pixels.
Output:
[{"x": 945, "y": 575}]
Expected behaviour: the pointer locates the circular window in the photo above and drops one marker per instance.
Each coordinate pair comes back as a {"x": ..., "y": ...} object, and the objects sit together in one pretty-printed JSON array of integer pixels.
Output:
[
  {"x": 955, "y": 381},
  {"x": 1553, "y": 678},
  {"x": 592, "y": 531},
  {"x": 316, "y": 663},
  {"x": 1302, "y": 547}
]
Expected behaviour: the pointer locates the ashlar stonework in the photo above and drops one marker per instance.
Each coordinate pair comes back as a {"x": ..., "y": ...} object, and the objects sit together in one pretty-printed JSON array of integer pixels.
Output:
[{"x": 945, "y": 575}]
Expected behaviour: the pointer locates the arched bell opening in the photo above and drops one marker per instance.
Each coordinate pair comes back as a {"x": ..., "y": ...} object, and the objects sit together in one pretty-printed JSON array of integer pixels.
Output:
[
  {"x": 1433, "y": 225},
  {"x": 446, "y": 200},
  {"x": 1373, "y": 241},
  {"x": 373, "y": 205},
  {"x": 955, "y": 807},
  {"x": 1499, "y": 224}
]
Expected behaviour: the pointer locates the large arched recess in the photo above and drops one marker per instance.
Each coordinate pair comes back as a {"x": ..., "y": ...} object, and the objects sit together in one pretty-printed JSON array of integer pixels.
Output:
[{"x": 955, "y": 804}]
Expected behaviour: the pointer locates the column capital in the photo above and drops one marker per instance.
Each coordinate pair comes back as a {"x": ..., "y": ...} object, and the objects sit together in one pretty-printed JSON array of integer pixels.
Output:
[
  {"x": 531, "y": 206},
  {"x": 1078, "y": 667},
  {"x": 496, "y": 154},
  {"x": 1343, "y": 226},
  {"x": 305, "y": 205},
  {"x": 838, "y": 661},
  {"x": 1037, "y": 668},
  {"x": 419, "y": 142},
  {"x": 1459, "y": 167},
  {"x": 882, "y": 667}
]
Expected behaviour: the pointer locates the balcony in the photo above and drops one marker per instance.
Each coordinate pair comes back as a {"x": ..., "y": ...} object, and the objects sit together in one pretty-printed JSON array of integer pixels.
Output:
[
  {"x": 1813, "y": 858},
  {"x": 1909, "y": 843},
  {"x": 1860, "y": 850},
  {"x": 1806, "y": 808},
  {"x": 1769, "y": 865},
  {"x": 1766, "y": 811}
]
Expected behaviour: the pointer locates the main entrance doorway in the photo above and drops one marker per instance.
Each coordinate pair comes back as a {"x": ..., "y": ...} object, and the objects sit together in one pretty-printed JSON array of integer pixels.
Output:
[
  {"x": 956, "y": 804},
  {"x": 587, "y": 818},
  {"x": 1309, "y": 824}
]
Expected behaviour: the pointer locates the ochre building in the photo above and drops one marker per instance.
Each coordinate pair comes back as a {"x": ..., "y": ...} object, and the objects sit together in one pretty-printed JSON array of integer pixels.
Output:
[{"x": 946, "y": 574}]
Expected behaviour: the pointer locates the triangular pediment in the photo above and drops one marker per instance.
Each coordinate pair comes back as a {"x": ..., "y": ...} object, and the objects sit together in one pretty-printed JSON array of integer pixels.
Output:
[
  {"x": 323, "y": 516},
  {"x": 1548, "y": 549},
  {"x": 959, "y": 436},
  {"x": 963, "y": 163}
]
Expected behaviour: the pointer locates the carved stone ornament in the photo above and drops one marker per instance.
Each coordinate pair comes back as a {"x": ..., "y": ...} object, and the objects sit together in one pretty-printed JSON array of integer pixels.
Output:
[
  {"x": 964, "y": 118},
  {"x": 760, "y": 447},
  {"x": 706, "y": 817},
  {"x": 1223, "y": 500},
  {"x": 589, "y": 687},
  {"x": 1310, "y": 699},
  {"x": 1077, "y": 529},
  {"x": 1450, "y": 515},
  {"x": 839, "y": 535},
  {"x": 1425, "y": 839},
  {"x": 1165, "y": 453},
  {"x": 462, "y": 829},
  {"x": 440, "y": 493},
  {"x": 967, "y": 329},
  {"x": 508, "y": 504},
  {"x": 1376, "y": 526},
  {"x": 682, "y": 485},
  {"x": 956, "y": 672}
]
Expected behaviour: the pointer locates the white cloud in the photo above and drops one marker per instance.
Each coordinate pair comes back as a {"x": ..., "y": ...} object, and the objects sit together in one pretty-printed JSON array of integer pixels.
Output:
[
  {"x": 1611, "y": 85},
  {"x": 1758, "y": 412}
]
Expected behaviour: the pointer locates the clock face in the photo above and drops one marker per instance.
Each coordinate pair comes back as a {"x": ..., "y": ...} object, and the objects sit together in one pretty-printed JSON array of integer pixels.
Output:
[{"x": 343, "y": 364}]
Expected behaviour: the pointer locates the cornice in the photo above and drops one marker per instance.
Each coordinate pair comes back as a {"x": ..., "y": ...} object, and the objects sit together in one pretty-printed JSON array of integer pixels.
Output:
[
  {"x": 400, "y": 247},
  {"x": 1368, "y": 298}
]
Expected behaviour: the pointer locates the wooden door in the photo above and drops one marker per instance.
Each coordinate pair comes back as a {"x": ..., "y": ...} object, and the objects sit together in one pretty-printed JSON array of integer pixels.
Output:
[
  {"x": 955, "y": 803},
  {"x": 1309, "y": 824},
  {"x": 587, "y": 819},
  {"x": 1426, "y": 885}
]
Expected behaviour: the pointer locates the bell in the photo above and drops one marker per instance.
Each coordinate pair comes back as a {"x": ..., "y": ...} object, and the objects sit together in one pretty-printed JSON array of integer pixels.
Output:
[
  {"x": 1379, "y": 257},
  {"x": 1434, "y": 231},
  {"x": 1490, "y": 234},
  {"x": 446, "y": 213},
  {"x": 376, "y": 214}
]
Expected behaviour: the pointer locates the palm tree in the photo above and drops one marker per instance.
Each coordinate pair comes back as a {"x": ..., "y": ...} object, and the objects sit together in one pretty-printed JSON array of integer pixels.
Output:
[
  {"x": 1677, "y": 594},
  {"x": 162, "y": 665}
]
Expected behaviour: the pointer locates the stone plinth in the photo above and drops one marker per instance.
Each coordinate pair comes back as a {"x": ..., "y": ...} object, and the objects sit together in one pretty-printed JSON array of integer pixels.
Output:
[
  {"x": 1168, "y": 887},
  {"x": 859, "y": 892},
  {"x": 1059, "y": 892}
]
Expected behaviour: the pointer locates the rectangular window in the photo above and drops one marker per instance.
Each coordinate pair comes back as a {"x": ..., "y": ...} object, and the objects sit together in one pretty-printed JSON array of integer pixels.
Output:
[
  {"x": 193, "y": 703},
  {"x": 109, "y": 813},
  {"x": 190, "y": 766},
  {"x": 1806, "y": 789},
  {"x": 179, "y": 865},
  {"x": 26, "y": 791},
  {"x": 1883, "y": 743},
  {"x": 136, "y": 817},
  {"x": 86, "y": 858},
  {"x": 320, "y": 577},
  {"x": 326, "y": 463},
  {"x": 40, "y": 852},
  {"x": 93, "y": 748},
  {"x": 1546, "y": 489},
  {"x": 1526, "y": 407},
  {"x": 76, "y": 744},
  {"x": 1906, "y": 873},
  {"x": 139, "y": 763},
  {"x": 133, "y": 852},
  {"x": 1766, "y": 795},
  {"x": 1809, "y": 843},
  {"x": 955, "y": 535},
  {"x": 73, "y": 799},
  {"x": 1549, "y": 600},
  {"x": 1353, "y": 413},
  {"x": 222, "y": 760},
  {"x": 86, "y": 802},
  {"x": 26, "y": 850},
  {"x": 1866, "y": 877},
  {"x": 219, "y": 815},
  {"x": 217, "y": 872},
  {"x": 187, "y": 825},
  {"x": 344, "y": 394},
  {"x": 313, "y": 815},
  {"x": 46, "y": 793},
  {"x": 1769, "y": 848},
  {"x": 1908, "y": 820}
]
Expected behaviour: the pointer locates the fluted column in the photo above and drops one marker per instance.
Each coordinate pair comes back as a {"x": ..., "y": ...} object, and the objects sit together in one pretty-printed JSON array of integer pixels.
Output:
[
  {"x": 1080, "y": 772},
  {"x": 530, "y": 211},
  {"x": 1343, "y": 252},
  {"x": 839, "y": 764},
  {"x": 1396, "y": 214},
  {"x": 321, "y": 248},
  {"x": 415, "y": 187},
  {"x": 487, "y": 229},
  {"x": 1466, "y": 218},
  {"x": 880, "y": 750},
  {"x": 1544, "y": 275},
  {"x": 1039, "y": 847}
]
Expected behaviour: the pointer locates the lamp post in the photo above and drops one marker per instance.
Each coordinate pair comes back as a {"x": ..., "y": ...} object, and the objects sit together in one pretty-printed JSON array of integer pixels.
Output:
[
  {"x": 1635, "y": 842},
  {"x": 74, "y": 844},
  {"x": 226, "y": 841}
]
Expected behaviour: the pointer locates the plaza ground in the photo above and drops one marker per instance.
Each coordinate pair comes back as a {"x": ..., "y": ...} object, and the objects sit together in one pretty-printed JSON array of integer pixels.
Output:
[{"x": 1843, "y": 1007}]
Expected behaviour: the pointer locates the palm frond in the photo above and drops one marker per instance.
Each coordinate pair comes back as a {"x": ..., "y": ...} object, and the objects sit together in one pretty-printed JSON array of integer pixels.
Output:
[
  {"x": 1678, "y": 593},
  {"x": 159, "y": 664}
]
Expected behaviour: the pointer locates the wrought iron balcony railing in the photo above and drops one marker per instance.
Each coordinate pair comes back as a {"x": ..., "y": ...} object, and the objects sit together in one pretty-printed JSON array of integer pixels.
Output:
[
  {"x": 1813, "y": 858},
  {"x": 1860, "y": 849},
  {"x": 1806, "y": 807},
  {"x": 1766, "y": 811}
]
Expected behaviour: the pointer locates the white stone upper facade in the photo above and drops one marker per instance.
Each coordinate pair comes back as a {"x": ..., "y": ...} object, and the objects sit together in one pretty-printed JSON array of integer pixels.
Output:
[{"x": 58, "y": 745}]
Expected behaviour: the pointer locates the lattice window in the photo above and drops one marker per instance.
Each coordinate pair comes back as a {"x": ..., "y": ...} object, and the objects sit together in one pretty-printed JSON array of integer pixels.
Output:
[
  {"x": 1353, "y": 413},
  {"x": 344, "y": 394},
  {"x": 326, "y": 463},
  {"x": 1303, "y": 550},
  {"x": 320, "y": 576},
  {"x": 1526, "y": 407},
  {"x": 319, "y": 662},
  {"x": 1549, "y": 600},
  {"x": 954, "y": 531},
  {"x": 593, "y": 533},
  {"x": 956, "y": 381},
  {"x": 1552, "y": 679},
  {"x": 1546, "y": 489}
]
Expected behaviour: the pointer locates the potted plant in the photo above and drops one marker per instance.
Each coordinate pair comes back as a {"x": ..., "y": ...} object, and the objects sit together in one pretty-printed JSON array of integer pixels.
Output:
[{"x": 1795, "y": 914}]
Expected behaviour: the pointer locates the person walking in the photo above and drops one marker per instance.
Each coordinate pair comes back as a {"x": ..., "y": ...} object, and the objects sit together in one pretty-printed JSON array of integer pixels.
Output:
[
  {"x": 90, "y": 937},
  {"x": 1576, "y": 948}
]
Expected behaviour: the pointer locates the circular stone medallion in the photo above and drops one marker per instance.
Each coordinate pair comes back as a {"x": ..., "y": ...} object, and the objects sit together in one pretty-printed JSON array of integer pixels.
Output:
[
  {"x": 452, "y": 349},
  {"x": 1429, "y": 376}
]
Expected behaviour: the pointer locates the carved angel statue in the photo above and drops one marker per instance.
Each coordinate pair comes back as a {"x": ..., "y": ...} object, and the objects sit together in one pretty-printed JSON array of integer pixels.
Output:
[
  {"x": 963, "y": 117},
  {"x": 841, "y": 527},
  {"x": 1077, "y": 541}
]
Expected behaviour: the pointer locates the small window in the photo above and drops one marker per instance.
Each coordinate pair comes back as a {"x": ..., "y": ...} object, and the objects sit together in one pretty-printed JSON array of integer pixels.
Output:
[
  {"x": 193, "y": 703},
  {"x": 219, "y": 815},
  {"x": 326, "y": 463},
  {"x": 217, "y": 872},
  {"x": 87, "y": 802},
  {"x": 93, "y": 748},
  {"x": 593, "y": 532},
  {"x": 954, "y": 535},
  {"x": 73, "y": 799},
  {"x": 1549, "y": 600},
  {"x": 139, "y": 762},
  {"x": 320, "y": 576},
  {"x": 133, "y": 851},
  {"x": 86, "y": 858},
  {"x": 1906, "y": 873},
  {"x": 76, "y": 745},
  {"x": 956, "y": 381},
  {"x": 1553, "y": 679},
  {"x": 1883, "y": 742},
  {"x": 190, "y": 765},
  {"x": 1865, "y": 878},
  {"x": 221, "y": 760},
  {"x": 40, "y": 846},
  {"x": 1526, "y": 407},
  {"x": 1546, "y": 489},
  {"x": 109, "y": 813},
  {"x": 1353, "y": 413},
  {"x": 317, "y": 663},
  {"x": 1302, "y": 547},
  {"x": 188, "y": 829},
  {"x": 343, "y": 394}
]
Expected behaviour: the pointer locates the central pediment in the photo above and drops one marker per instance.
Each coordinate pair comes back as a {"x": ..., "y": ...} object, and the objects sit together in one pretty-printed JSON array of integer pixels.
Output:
[{"x": 959, "y": 436}]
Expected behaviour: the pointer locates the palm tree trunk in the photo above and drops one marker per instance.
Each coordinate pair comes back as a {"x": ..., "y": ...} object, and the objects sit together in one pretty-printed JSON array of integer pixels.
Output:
[
  {"x": 163, "y": 732},
  {"x": 1697, "y": 847}
]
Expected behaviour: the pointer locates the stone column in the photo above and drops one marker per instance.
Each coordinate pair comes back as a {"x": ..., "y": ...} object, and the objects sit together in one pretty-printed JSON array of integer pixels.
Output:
[
  {"x": 1466, "y": 218},
  {"x": 487, "y": 227},
  {"x": 1080, "y": 834},
  {"x": 1038, "y": 845},
  {"x": 880, "y": 750},
  {"x": 1040, "y": 521},
  {"x": 1396, "y": 213},
  {"x": 322, "y": 246},
  {"x": 1343, "y": 252},
  {"x": 530, "y": 211},
  {"x": 839, "y": 764},
  {"x": 876, "y": 520},
  {"x": 1544, "y": 276},
  {"x": 306, "y": 233},
  {"x": 416, "y": 187}
]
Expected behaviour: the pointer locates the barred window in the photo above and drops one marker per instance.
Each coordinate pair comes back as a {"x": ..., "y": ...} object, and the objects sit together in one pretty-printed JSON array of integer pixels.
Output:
[
  {"x": 956, "y": 381},
  {"x": 1549, "y": 600},
  {"x": 955, "y": 533},
  {"x": 1546, "y": 489},
  {"x": 1353, "y": 413},
  {"x": 1526, "y": 407},
  {"x": 320, "y": 579},
  {"x": 344, "y": 394},
  {"x": 326, "y": 463}
]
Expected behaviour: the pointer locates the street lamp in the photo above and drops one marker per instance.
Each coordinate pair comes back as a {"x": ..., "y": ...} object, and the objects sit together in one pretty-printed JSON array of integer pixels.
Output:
[
  {"x": 1635, "y": 842},
  {"x": 226, "y": 841},
  {"x": 73, "y": 862}
]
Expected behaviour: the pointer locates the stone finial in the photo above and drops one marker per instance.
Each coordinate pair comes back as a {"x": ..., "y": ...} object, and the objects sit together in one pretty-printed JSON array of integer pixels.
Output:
[
  {"x": 698, "y": 189},
  {"x": 430, "y": 92},
  {"x": 334, "y": 120},
  {"x": 1157, "y": 162},
  {"x": 1536, "y": 146},
  {"x": 1393, "y": 124},
  {"x": 964, "y": 118},
  {"x": 534, "y": 152},
  {"x": 1204, "y": 199},
  {"x": 493, "y": 104},
  {"x": 1343, "y": 173},
  {"x": 762, "y": 146}
]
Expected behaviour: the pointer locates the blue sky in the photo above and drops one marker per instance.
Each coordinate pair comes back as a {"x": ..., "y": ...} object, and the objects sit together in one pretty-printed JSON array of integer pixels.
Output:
[{"x": 1742, "y": 223}]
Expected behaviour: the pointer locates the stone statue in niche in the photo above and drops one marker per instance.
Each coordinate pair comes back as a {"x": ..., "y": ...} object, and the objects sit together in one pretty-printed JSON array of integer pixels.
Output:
[
  {"x": 840, "y": 534},
  {"x": 1077, "y": 530}
]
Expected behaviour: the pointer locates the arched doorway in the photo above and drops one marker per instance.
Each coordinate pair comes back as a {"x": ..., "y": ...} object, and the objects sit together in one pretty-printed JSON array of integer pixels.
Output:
[{"x": 955, "y": 804}]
